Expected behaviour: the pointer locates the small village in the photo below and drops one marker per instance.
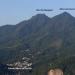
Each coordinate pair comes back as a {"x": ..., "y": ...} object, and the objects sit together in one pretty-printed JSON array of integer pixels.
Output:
[{"x": 25, "y": 64}]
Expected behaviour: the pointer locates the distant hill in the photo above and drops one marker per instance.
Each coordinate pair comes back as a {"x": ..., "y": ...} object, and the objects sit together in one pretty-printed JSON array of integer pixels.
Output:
[{"x": 48, "y": 40}]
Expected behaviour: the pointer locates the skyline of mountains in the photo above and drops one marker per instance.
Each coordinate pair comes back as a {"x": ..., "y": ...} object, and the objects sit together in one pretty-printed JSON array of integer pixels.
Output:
[{"x": 36, "y": 15}]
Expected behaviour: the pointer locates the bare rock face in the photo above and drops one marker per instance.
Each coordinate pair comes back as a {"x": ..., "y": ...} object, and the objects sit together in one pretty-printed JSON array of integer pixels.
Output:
[{"x": 55, "y": 72}]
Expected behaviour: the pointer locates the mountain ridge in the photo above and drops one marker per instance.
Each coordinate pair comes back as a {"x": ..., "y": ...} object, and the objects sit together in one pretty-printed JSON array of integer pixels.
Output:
[
  {"x": 38, "y": 34},
  {"x": 66, "y": 13}
]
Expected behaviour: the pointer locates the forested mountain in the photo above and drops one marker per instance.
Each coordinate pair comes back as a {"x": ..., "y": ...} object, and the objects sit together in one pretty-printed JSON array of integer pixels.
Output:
[{"x": 48, "y": 40}]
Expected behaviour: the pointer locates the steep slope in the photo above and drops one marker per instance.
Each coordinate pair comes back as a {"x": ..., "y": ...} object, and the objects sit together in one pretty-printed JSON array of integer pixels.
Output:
[
  {"x": 61, "y": 30},
  {"x": 15, "y": 39}
]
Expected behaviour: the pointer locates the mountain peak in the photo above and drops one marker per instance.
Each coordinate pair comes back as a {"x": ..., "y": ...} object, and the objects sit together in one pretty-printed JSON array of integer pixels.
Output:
[
  {"x": 41, "y": 16},
  {"x": 66, "y": 14}
]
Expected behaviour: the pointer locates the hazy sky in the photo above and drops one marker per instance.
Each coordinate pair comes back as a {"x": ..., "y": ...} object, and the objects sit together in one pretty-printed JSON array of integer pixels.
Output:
[{"x": 14, "y": 11}]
